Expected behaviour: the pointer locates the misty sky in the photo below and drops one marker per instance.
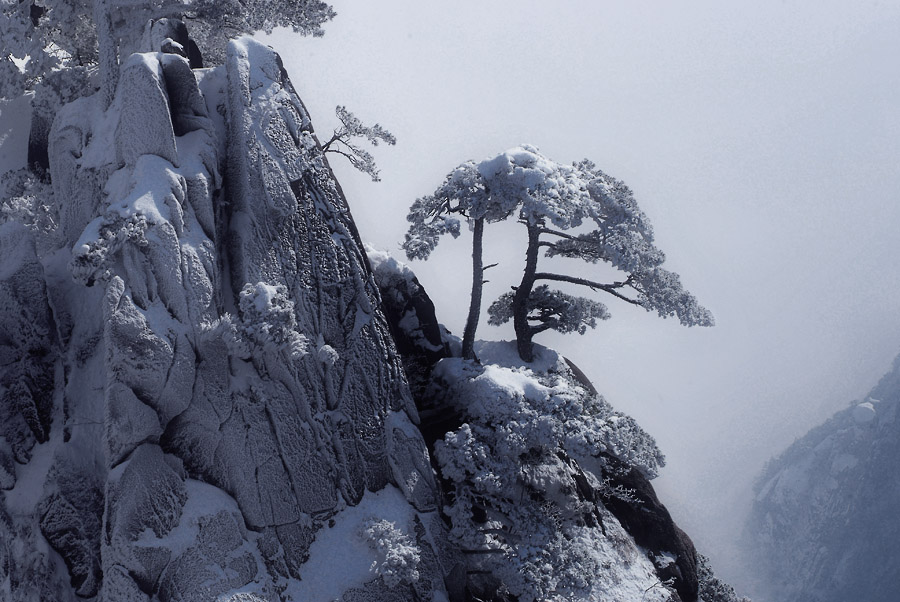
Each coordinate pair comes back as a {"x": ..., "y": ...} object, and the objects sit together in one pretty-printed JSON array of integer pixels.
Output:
[{"x": 763, "y": 142}]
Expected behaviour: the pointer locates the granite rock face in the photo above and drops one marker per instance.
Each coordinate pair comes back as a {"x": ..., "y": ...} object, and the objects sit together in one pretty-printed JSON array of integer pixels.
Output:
[
  {"x": 823, "y": 525},
  {"x": 197, "y": 379}
]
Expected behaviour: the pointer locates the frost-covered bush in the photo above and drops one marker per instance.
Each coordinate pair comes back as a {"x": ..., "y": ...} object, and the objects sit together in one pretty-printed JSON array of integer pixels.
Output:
[
  {"x": 241, "y": 597},
  {"x": 398, "y": 555},
  {"x": 268, "y": 319},
  {"x": 227, "y": 330},
  {"x": 527, "y": 409},
  {"x": 524, "y": 470},
  {"x": 91, "y": 259},
  {"x": 28, "y": 199},
  {"x": 326, "y": 354}
]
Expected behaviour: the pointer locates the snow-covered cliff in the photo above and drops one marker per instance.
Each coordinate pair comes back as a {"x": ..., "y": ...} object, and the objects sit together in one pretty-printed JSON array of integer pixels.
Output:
[
  {"x": 824, "y": 527},
  {"x": 197, "y": 379}
]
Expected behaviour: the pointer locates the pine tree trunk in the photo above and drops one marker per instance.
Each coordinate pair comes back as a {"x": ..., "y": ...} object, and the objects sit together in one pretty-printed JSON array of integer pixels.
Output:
[
  {"x": 468, "y": 343},
  {"x": 108, "y": 51},
  {"x": 524, "y": 332}
]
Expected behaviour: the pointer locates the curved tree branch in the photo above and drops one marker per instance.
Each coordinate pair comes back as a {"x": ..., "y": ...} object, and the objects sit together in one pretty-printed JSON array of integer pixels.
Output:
[{"x": 609, "y": 288}]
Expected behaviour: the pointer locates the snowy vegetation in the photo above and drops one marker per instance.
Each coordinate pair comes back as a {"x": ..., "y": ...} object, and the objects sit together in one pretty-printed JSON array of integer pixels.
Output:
[
  {"x": 463, "y": 193},
  {"x": 28, "y": 200},
  {"x": 343, "y": 143},
  {"x": 523, "y": 470},
  {"x": 713, "y": 589},
  {"x": 268, "y": 319},
  {"x": 398, "y": 556},
  {"x": 553, "y": 201}
]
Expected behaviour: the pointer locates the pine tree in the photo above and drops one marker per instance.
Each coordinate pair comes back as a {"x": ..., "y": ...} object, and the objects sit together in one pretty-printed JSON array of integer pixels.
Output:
[
  {"x": 342, "y": 142},
  {"x": 462, "y": 193},
  {"x": 553, "y": 201},
  {"x": 557, "y": 200}
]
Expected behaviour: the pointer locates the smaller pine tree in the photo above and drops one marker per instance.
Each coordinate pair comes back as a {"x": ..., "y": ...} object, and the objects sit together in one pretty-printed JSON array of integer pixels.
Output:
[{"x": 342, "y": 142}]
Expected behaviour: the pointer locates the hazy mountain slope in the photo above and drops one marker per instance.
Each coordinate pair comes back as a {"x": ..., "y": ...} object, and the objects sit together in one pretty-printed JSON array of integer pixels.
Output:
[{"x": 824, "y": 526}]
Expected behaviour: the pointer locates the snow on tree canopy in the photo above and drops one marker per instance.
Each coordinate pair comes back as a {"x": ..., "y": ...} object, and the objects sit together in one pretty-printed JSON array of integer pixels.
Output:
[
  {"x": 553, "y": 201},
  {"x": 541, "y": 188}
]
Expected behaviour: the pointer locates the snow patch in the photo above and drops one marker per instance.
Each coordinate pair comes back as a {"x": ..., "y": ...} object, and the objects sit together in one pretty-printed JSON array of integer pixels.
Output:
[
  {"x": 864, "y": 413},
  {"x": 506, "y": 354},
  {"x": 340, "y": 557}
]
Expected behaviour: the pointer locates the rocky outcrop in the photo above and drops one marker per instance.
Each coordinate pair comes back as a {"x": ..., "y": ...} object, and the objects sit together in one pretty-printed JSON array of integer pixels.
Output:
[
  {"x": 198, "y": 381},
  {"x": 421, "y": 340},
  {"x": 648, "y": 521},
  {"x": 611, "y": 489},
  {"x": 823, "y": 525}
]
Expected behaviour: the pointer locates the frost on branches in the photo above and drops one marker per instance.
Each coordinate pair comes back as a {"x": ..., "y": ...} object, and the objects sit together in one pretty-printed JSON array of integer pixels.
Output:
[
  {"x": 558, "y": 201},
  {"x": 572, "y": 211},
  {"x": 464, "y": 193},
  {"x": 398, "y": 555},
  {"x": 711, "y": 588},
  {"x": 28, "y": 199},
  {"x": 552, "y": 309},
  {"x": 526, "y": 474},
  {"x": 342, "y": 142},
  {"x": 268, "y": 319}
]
